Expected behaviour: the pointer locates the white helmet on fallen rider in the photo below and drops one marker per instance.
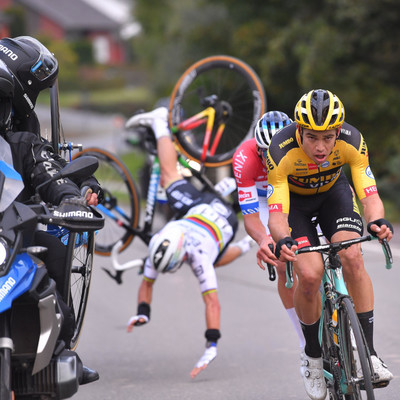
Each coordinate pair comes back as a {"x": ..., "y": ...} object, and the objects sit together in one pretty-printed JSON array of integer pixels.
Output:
[{"x": 167, "y": 248}]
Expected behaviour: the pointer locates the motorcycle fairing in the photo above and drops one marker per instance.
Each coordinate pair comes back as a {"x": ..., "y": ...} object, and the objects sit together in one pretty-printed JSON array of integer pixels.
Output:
[{"x": 17, "y": 281}]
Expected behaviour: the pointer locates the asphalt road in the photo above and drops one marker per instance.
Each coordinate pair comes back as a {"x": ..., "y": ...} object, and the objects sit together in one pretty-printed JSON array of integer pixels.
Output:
[{"x": 258, "y": 355}]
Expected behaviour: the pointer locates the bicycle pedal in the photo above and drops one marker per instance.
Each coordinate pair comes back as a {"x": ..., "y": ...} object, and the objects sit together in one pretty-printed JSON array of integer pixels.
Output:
[{"x": 117, "y": 276}]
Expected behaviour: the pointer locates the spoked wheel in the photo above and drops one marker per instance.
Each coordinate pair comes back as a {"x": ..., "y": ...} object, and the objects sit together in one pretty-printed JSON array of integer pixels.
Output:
[
  {"x": 81, "y": 274},
  {"x": 236, "y": 93},
  {"x": 355, "y": 359},
  {"x": 121, "y": 201}
]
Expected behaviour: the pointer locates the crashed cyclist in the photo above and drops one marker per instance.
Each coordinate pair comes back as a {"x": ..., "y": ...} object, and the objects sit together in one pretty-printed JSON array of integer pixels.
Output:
[{"x": 201, "y": 237}]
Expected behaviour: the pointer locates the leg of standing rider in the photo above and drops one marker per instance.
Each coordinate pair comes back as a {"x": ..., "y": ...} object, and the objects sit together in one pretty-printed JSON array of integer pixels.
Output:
[
  {"x": 307, "y": 299},
  {"x": 286, "y": 296}
]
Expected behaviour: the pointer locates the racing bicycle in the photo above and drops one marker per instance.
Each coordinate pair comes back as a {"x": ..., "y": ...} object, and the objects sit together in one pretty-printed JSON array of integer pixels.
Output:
[
  {"x": 348, "y": 369},
  {"x": 214, "y": 106}
]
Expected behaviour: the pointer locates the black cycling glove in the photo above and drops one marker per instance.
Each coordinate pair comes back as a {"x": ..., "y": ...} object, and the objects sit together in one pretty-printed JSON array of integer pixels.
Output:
[
  {"x": 288, "y": 241},
  {"x": 93, "y": 184},
  {"x": 379, "y": 222}
]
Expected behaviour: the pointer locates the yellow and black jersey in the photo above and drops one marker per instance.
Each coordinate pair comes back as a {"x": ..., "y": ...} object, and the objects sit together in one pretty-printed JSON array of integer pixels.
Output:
[{"x": 291, "y": 170}]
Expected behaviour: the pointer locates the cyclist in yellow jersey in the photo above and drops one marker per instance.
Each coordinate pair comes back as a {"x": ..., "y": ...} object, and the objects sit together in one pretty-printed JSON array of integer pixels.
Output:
[{"x": 306, "y": 179}]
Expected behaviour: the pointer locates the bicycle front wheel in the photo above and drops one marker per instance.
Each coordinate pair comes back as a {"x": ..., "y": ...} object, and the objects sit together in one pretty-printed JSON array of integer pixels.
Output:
[
  {"x": 356, "y": 362},
  {"x": 234, "y": 86},
  {"x": 120, "y": 206},
  {"x": 81, "y": 275}
]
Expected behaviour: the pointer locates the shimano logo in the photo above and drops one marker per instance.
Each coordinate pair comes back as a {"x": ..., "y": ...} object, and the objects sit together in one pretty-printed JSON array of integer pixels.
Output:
[
  {"x": 80, "y": 214},
  {"x": 8, "y": 52},
  {"x": 8, "y": 285}
]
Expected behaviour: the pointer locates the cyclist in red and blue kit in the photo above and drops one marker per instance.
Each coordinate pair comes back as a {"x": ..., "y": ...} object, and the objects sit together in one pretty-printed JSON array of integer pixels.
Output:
[{"x": 251, "y": 176}]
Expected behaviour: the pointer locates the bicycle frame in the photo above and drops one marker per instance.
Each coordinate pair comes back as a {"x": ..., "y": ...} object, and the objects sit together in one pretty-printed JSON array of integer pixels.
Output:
[
  {"x": 207, "y": 117},
  {"x": 334, "y": 287}
]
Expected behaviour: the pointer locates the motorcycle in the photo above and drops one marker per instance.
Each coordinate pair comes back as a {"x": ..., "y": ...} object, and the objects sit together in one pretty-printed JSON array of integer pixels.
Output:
[{"x": 34, "y": 362}]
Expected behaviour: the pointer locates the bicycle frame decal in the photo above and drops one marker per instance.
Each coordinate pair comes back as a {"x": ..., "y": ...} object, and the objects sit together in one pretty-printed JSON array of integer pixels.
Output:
[{"x": 152, "y": 192}]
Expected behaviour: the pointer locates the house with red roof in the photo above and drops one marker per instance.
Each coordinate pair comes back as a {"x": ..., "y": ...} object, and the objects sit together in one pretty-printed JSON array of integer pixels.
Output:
[{"x": 70, "y": 20}]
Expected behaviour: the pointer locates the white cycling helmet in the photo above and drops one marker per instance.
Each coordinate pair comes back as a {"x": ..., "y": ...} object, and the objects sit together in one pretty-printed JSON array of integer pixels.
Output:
[
  {"x": 270, "y": 123},
  {"x": 168, "y": 248}
]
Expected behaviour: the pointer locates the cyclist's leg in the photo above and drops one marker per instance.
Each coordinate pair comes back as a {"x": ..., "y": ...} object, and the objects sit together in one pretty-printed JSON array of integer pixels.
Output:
[
  {"x": 54, "y": 258},
  {"x": 168, "y": 160},
  {"x": 308, "y": 267},
  {"x": 55, "y": 261},
  {"x": 341, "y": 223},
  {"x": 307, "y": 299},
  {"x": 341, "y": 220},
  {"x": 285, "y": 294}
]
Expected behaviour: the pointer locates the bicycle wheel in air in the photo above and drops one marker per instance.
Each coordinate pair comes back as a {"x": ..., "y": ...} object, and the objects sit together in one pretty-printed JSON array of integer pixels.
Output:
[
  {"x": 232, "y": 86},
  {"x": 355, "y": 359},
  {"x": 81, "y": 274},
  {"x": 121, "y": 201}
]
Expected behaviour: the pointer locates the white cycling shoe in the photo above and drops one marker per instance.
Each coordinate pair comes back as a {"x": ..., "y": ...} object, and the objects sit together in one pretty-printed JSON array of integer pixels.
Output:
[
  {"x": 148, "y": 118},
  {"x": 382, "y": 373},
  {"x": 313, "y": 377}
]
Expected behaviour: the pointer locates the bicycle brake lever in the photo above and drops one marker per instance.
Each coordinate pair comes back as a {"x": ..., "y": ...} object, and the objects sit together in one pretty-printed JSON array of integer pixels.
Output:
[
  {"x": 388, "y": 253},
  {"x": 289, "y": 275},
  {"x": 271, "y": 269}
]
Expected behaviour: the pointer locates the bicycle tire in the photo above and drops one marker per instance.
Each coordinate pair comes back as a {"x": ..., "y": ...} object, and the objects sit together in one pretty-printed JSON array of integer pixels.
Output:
[
  {"x": 55, "y": 118},
  {"x": 120, "y": 190},
  {"x": 81, "y": 276},
  {"x": 330, "y": 354},
  {"x": 352, "y": 356},
  {"x": 234, "y": 82}
]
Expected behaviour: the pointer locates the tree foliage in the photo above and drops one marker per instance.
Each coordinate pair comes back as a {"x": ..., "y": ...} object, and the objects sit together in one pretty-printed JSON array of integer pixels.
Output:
[{"x": 350, "y": 47}]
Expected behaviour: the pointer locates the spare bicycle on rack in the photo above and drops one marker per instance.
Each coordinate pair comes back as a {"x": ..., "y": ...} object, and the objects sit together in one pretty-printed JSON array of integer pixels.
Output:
[{"x": 213, "y": 108}]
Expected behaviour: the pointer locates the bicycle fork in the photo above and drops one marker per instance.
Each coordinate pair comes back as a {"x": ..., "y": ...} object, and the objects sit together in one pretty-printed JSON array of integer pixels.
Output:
[{"x": 332, "y": 369}]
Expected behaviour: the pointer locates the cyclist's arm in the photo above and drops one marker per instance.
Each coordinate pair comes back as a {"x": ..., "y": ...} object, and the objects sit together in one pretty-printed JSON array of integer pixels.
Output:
[
  {"x": 256, "y": 229},
  {"x": 279, "y": 228},
  {"x": 365, "y": 185},
  {"x": 145, "y": 291},
  {"x": 278, "y": 205},
  {"x": 144, "y": 297},
  {"x": 374, "y": 210}
]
